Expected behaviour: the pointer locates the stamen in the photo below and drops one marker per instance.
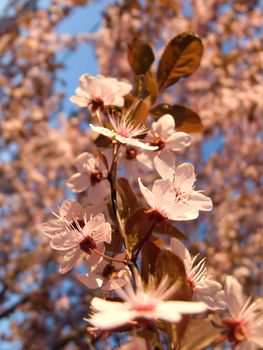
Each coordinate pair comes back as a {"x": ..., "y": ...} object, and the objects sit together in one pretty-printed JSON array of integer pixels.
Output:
[
  {"x": 235, "y": 331},
  {"x": 108, "y": 270},
  {"x": 78, "y": 224},
  {"x": 96, "y": 177},
  {"x": 96, "y": 103},
  {"x": 88, "y": 245},
  {"x": 159, "y": 142}
]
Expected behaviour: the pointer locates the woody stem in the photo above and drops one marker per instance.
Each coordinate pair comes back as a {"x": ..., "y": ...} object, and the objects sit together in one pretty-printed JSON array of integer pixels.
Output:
[{"x": 112, "y": 177}]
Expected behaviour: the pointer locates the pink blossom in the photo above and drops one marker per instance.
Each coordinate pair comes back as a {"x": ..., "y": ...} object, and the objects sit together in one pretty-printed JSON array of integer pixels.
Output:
[
  {"x": 160, "y": 199},
  {"x": 106, "y": 275},
  {"x": 97, "y": 92},
  {"x": 70, "y": 212},
  {"x": 125, "y": 132},
  {"x": 245, "y": 324},
  {"x": 203, "y": 286},
  {"x": 82, "y": 241},
  {"x": 188, "y": 201},
  {"x": 135, "y": 162},
  {"x": 91, "y": 175},
  {"x": 168, "y": 140},
  {"x": 144, "y": 303}
]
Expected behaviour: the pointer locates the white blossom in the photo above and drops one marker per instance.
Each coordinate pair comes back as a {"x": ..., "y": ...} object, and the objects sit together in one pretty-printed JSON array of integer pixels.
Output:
[
  {"x": 98, "y": 92},
  {"x": 188, "y": 201},
  {"x": 245, "y": 324},
  {"x": 160, "y": 199},
  {"x": 82, "y": 241},
  {"x": 203, "y": 286},
  {"x": 107, "y": 275},
  {"x": 168, "y": 140},
  {"x": 125, "y": 132},
  {"x": 70, "y": 212},
  {"x": 91, "y": 175},
  {"x": 144, "y": 303},
  {"x": 135, "y": 162}
]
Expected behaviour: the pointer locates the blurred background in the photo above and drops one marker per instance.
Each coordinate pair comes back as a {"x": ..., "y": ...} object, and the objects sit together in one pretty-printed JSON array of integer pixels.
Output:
[{"x": 45, "y": 46}]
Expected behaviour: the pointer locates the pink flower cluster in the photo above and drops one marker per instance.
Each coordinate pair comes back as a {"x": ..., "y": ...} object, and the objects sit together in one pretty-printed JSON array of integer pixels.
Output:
[{"x": 86, "y": 233}]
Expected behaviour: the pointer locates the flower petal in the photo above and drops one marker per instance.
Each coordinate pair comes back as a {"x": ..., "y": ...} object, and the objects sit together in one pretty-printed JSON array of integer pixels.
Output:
[
  {"x": 85, "y": 162},
  {"x": 70, "y": 209},
  {"x": 92, "y": 281},
  {"x": 164, "y": 127},
  {"x": 79, "y": 182},
  {"x": 110, "y": 320},
  {"x": 200, "y": 201},
  {"x": 180, "y": 250},
  {"x": 71, "y": 258},
  {"x": 185, "y": 307},
  {"x": 99, "y": 304},
  {"x": 164, "y": 170},
  {"x": 103, "y": 131},
  {"x": 185, "y": 176},
  {"x": 79, "y": 101},
  {"x": 97, "y": 192},
  {"x": 178, "y": 141},
  {"x": 234, "y": 297},
  {"x": 53, "y": 227},
  {"x": 66, "y": 241},
  {"x": 148, "y": 195}
]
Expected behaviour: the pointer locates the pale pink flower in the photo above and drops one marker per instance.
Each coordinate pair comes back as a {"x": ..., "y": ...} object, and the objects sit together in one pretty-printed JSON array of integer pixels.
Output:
[
  {"x": 188, "y": 201},
  {"x": 107, "y": 275},
  {"x": 144, "y": 303},
  {"x": 70, "y": 212},
  {"x": 82, "y": 241},
  {"x": 161, "y": 200},
  {"x": 245, "y": 324},
  {"x": 135, "y": 162},
  {"x": 98, "y": 92},
  {"x": 168, "y": 140},
  {"x": 91, "y": 175},
  {"x": 125, "y": 132},
  {"x": 203, "y": 286}
]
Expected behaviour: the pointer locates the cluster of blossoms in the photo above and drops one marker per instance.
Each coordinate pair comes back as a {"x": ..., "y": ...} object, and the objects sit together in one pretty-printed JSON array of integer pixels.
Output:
[{"x": 99, "y": 234}]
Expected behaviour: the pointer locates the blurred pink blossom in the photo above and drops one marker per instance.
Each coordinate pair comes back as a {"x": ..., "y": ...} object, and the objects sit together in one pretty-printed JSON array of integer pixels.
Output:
[
  {"x": 142, "y": 304},
  {"x": 98, "y": 92}
]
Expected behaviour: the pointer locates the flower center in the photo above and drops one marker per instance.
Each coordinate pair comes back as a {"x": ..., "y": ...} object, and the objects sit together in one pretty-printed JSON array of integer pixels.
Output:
[
  {"x": 77, "y": 224},
  {"x": 87, "y": 245},
  {"x": 131, "y": 153},
  {"x": 159, "y": 142},
  {"x": 235, "y": 330},
  {"x": 191, "y": 283},
  {"x": 156, "y": 216},
  {"x": 96, "y": 103},
  {"x": 96, "y": 177},
  {"x": 125, "y": 132},
  {"x": 143, "y": 303},
  {"x": 181, "y": 195},
  {"x": 108, "y": 270},
  {"x": 144, "y": 307}
]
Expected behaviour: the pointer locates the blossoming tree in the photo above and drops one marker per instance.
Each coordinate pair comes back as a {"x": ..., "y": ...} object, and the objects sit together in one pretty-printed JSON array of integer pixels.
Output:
[{"x": 134, "y": 195}]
